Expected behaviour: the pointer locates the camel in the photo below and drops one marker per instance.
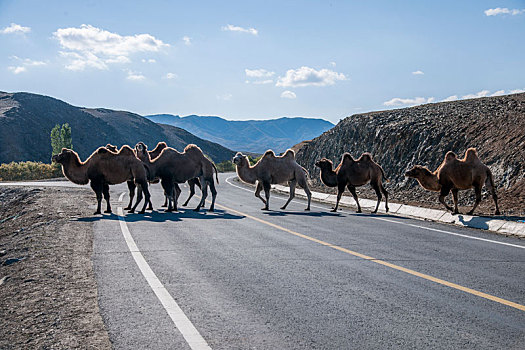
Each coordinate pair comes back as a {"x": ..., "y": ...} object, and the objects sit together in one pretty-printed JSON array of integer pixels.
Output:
[
  {"x": 352, "y": 173},
  {"x": 154, "y": 154},
  {"x": 453, "y": 175},
  {"x": 173, "y": 167},
  {"x": 272, "y": 169},
  {"x": 104, "y": 168}
]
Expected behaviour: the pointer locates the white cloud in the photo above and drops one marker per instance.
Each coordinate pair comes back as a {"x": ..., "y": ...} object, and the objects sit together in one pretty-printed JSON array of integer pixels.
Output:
[
  {"x": 262, "y": 82},
  {"x": 187, "y": 40},
  {"x": 418, "y": 72},
  {"x": 408, "y": 101},
  {"x": 17, "y": 70},
  {"x": 498, "y": 93},
  {"x": 133, "y": 76},
  {"x": 233, "y": 28},
  {"x": 94, "y": 47},
  {"x": 482, "y": 93},
  {"x": 224, "y": 97},
  {"x": 288, "y": 94},
  {"x": 149, "y": 60},
  {"x": 306, "y": 76},
  {"x": 450, "y": 98},
  {"x": 15, "y": 28},
  {"x": 333, "y": 64},
  {"x": 171, "y": 76},
  {"x": 258, "y": 73},
  {"x": 503, "y": 11},
  {"x": 517, "y": 91}
]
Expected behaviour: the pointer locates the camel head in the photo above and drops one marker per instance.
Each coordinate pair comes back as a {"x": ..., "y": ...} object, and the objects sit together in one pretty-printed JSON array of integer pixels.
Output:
[
  {"x": 418, "y": 171},
  {"x": 142, "y": 151},
  {"x": 324, "y": 164},
  {"x": 112, "y": 148},
  {"x": 64, "y": 156},
  {"x": 240, "y": 159}
]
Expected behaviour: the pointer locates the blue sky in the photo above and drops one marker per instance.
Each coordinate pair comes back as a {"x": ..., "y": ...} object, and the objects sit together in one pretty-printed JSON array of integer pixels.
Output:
[{"x": 260, "y": 60}]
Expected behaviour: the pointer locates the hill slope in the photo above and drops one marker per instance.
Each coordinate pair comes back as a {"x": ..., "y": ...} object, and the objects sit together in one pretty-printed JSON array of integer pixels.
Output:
[
  {"x": 423, "y": 134},
  {"x": 26, "y": 121},
  {"x": 249, "y": 135}
]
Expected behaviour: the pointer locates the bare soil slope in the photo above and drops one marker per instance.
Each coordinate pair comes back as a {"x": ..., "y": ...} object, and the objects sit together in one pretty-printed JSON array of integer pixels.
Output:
[{"x": 401, "y": 138}]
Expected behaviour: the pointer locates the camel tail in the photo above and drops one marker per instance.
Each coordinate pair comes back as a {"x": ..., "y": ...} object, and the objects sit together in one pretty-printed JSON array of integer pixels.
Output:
[
  {"x": 383, "y": 172},
  {"x": 306, "y": 172},
  {"x": 216, "y": 172},
  {"x": 491, "y": 179}
]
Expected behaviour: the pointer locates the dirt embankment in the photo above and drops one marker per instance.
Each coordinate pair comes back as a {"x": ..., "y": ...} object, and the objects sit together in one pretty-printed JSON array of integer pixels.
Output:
[
  {"x": 48, "y": 292},
  {"x": 401, "y": 138}
]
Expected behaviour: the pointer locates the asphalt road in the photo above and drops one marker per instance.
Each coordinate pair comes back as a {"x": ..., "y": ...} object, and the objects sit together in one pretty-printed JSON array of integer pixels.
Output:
[{"x": 250, "y": 279}]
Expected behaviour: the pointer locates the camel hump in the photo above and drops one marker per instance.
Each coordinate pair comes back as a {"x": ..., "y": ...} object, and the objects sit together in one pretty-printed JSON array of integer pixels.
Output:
[
  {"x": 367, "y": 157},
  {"x": 102, "y": 150},
  {"x": 112, "y": 148},
  {"x": 126, "y": 151},
  {"x": 450, "y": 156},
  {"x": 471, "y": 155},
  {"x": 347, "y": 157},
  {"x": 191, "y": 148},
  {"x": 269, "y": 153},
  {"x": 289, "y": 154}
]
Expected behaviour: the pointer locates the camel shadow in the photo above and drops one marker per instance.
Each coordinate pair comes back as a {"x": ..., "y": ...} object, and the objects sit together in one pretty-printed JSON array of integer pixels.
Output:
[
  {"x": 376, "y": 215},
  {"x": 163, "y": 216},
  {"x": 301, "y": 213},
  {"x": 476, "y": 221}
]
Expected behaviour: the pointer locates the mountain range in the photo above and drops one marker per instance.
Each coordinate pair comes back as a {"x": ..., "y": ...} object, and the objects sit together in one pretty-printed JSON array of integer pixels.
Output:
[
  {"x": 26, "y": 121},
  {"x": 254, "y": 136}
]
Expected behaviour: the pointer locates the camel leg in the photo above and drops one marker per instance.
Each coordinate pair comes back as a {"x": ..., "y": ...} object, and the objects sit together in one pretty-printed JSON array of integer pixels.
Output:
[
  {"x": 97, "y": 188},
  {"x": 492, "y": 191},
  {"x": 178, "y": 191},
  {"x": 258, "y": 190},
  {"x": 386, "y": 195},
  {"x": 455, "y": 198},
  {"x": 375, "y": 186},
  {"x": 477, "y": 190},
  {"x": 105, "y": 191},
  {"x": 167, "y": 185},
  {"x": 213, "y": 195},
  {"x": 267, "y": 187},
  {"x": 444, "y": 192},
  {"x": 165, "y": 200},
  {"x": 292, "y": 185},
  {"x": 139, "y": 197},
  {"x": 191, "y": 183},
  {"x": 340, "y": 190},
  {"x": 131, "y": 188},
  {"x": 147, "y": 196},
  {"x": 354, "y": 194},
  {"x": 304, "y": 185},
  {"x": 204, "y": 190}
]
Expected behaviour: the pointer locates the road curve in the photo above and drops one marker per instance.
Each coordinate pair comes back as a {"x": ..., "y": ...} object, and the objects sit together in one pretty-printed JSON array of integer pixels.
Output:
[{"x": 246, "y": 278}]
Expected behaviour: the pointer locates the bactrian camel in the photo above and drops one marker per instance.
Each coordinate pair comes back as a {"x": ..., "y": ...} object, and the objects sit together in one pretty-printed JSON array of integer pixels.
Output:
[
  {"x": 104, "y": 168},
  {"x": 271, "y": 169},
  {"x": 154, "y": 154},
  {"x": 453, "y": 175},
  {"x": 353, "y": 173},
  {"x": 173, "y": 167}
]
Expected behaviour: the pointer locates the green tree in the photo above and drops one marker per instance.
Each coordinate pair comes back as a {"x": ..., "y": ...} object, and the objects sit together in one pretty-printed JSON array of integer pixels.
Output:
[{"x": 61, "y": 138}]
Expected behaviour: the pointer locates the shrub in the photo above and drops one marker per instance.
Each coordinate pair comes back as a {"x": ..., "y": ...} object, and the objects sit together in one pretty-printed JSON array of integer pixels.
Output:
[
  {"x": 29, "y": 171},
  {"x": 225, "y": 166}
]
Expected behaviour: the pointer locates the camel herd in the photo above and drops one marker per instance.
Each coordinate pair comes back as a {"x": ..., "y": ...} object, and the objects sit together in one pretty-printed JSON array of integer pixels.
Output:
[{"x": 138, "y": 167}]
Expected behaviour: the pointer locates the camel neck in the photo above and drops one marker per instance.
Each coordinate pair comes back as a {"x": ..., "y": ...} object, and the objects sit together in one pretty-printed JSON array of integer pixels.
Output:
[
  {"x": 329, "y": 177},
  {"x": 429, "y": 182},
  {"x": 247, "y": 173},
  {"x": 75, "y": 171}
]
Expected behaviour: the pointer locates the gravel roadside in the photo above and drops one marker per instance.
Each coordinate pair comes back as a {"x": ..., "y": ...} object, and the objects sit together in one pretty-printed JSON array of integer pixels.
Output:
[{"x": 48, "y": 291}]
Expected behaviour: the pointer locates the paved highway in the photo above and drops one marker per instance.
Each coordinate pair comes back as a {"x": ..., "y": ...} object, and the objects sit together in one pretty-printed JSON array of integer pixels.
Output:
[{"x": 242, "y": 278}]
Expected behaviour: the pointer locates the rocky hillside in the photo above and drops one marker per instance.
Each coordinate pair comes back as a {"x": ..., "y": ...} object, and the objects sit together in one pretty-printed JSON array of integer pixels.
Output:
[
  {"x": 26, "y": 121},
  {"x": 423, "y": 134},
  {"x": 255, "y": 136}
]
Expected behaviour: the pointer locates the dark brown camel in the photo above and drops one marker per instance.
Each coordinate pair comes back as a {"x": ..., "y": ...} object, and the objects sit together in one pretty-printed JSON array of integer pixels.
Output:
[
  {"x": 453, "y": 175},
  {"x": 104, "y": 168},
  {"x": 353, "y": 173},
  {"x": 173, "y": 167}
]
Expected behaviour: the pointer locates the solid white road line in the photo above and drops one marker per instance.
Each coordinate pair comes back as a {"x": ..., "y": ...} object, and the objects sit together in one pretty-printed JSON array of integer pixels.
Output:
[
  {"x": 181, "y": 321},
  {"x": 403, "y": 223}
]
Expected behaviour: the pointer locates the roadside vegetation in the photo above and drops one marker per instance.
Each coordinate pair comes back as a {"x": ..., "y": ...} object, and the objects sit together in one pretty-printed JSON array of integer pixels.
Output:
[{"x": 19, "y": 171}]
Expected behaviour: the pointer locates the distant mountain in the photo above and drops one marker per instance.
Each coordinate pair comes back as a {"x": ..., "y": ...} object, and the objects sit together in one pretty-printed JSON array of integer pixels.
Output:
[
  {"x": 248, "y": 135},
  {"x": 26, "y": 121}
]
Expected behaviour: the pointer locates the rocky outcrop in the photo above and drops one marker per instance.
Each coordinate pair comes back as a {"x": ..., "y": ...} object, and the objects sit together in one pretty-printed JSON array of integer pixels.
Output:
[{"x": 423, "y": 134}]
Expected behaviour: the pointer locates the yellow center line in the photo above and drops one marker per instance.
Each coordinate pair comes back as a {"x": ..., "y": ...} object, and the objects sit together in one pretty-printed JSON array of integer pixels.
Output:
[{"x": 382, "y": 262}]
